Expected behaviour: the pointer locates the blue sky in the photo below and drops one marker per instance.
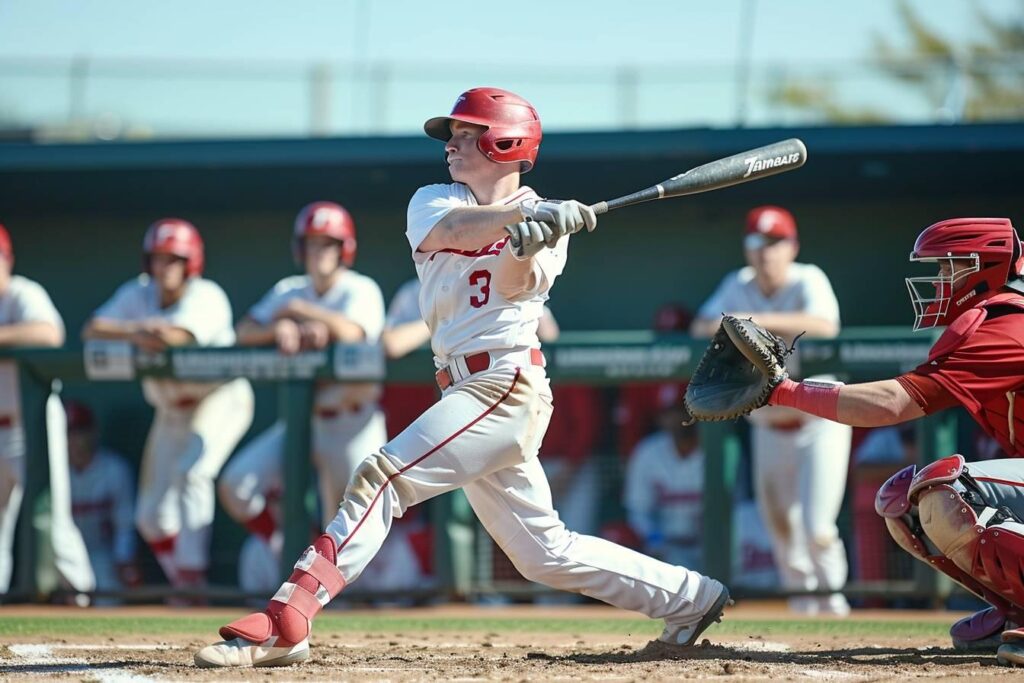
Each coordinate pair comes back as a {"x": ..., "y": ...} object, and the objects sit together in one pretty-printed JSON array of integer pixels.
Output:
[{"x": 245, "y": 64}]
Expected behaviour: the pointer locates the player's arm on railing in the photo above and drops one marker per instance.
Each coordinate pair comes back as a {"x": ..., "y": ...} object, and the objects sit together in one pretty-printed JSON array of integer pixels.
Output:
[
  {"x": 401, "y": 339},
  {"x": 34, "y": 333}
]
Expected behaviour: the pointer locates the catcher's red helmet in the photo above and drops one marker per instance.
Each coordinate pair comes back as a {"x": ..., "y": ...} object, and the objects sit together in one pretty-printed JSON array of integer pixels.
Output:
[
  {"x": 982, "y": 254},
  {"x": 513, "y": 128},
  {"x": 328, "y": 219},
  {"x": 80, "y": 417},
  {"x": 177, "y": 237},
  {"x": 6, "y": 248}
]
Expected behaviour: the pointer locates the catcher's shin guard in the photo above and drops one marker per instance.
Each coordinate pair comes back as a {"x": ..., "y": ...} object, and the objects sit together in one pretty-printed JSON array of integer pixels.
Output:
[
  {"x": 895, "y": 504},
  {"x": 289, "y": 616}
]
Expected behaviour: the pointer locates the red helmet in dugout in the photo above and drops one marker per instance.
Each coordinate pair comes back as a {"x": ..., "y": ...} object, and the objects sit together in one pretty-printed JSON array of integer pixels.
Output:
[
  {"x": 6, "y": 248},
  {"x": 980, "y": 254},
  {"x": 176, "y": 237},
  {"x": 327, "y": 219},
  {"x": 80, "y": 417},
  {"x": 513, "y": 132}
]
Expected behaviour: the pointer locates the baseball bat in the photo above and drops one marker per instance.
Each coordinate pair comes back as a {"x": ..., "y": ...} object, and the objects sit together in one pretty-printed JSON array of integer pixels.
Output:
[{"x": 754, "y": 164}]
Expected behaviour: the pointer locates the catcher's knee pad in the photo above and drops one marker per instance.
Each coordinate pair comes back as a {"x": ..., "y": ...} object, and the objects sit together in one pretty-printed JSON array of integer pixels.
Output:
[
  {"x": 947, "y": 519},
  {"x": 315, "y": 580}
]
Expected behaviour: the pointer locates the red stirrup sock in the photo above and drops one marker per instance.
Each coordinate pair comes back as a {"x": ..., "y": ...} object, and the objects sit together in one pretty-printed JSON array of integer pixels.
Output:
[
  {"x": 810, "y": 396},
  {"x": 289, "y": 616}
]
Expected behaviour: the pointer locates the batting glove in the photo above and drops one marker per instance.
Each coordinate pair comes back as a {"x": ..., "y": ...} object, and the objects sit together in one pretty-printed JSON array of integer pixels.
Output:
[
  {"x": 529, "y": 237},
  {"x": 564, "y": 217}
]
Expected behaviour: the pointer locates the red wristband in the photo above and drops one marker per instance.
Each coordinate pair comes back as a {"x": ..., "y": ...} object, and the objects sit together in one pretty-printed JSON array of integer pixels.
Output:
[{"x": 816, "y": 398}]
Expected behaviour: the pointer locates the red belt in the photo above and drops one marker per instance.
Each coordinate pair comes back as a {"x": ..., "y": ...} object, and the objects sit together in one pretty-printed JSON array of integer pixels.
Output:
[
  {"x": 331, "y": 413},
  {"x": 787, "y": 426},
  {"x": 186, "y": 403},
  {"x": 6, "y": 421},
  {"x": 478, "y": 362}
]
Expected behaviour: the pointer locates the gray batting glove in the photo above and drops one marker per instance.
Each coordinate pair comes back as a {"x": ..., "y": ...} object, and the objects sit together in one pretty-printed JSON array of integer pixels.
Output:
[
  {"x": 564, "y": 217},
  {"x": 529, "y": 237}
]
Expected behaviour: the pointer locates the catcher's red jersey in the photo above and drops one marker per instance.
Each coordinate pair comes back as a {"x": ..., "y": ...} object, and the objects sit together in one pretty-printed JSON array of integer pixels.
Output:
[{"x": 979, "y": 363}]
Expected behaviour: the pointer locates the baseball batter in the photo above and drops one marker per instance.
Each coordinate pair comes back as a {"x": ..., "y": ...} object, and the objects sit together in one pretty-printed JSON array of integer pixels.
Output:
[
  {"x": 102, "y": 502},
  {"x": 197, "y": 424},
  {"x": 29, "y": 318},
  {"x": 330, "y": 303},
  {"x": 487, "y": 251},
  {"x": 965, "y": 520},
  {"x": 799, "y": 461}
]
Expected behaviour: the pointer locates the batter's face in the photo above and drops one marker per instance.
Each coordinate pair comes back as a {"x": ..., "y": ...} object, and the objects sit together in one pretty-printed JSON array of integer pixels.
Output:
[
  {"x": 466, "y": 163},
  {"x": 322, "y": 254},
  {"x": 168, "y": 271},
  {"x": 771, "y": 262}
]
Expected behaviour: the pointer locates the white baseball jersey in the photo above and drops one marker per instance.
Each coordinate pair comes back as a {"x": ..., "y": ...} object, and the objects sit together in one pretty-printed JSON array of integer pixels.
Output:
[
  {"x": 203, "y": 310},
  {"x": 24, "y": 301},
  {"x": 354, "y": 296},
  {"x": 463, "y": 311},
  {"x": 102, "y": 503},
  {"x": 405, "y": 305},
  {"x": 663, "y": 491}
]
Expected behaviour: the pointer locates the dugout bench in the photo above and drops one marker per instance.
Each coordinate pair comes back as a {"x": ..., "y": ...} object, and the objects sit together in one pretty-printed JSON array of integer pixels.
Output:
[{"x": 599, "y": 358}]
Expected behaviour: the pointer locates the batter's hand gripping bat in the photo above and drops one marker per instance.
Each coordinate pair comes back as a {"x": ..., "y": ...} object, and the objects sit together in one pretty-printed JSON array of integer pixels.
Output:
[{"x": 755, "y": 164}]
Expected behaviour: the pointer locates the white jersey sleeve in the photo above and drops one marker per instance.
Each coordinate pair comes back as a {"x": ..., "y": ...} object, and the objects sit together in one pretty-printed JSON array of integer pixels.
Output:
[
  {"x": 127, "y": 302},
  {"x": 366, "y": 306},
  {"x": 263, "y": 310},
  {"x": 405, "y": 305},
  {"x": 429, "y": 205},
  {"x": 819, "y": 298},
  {"x": 723, "y": 299},
  {"x": 205, "y": 312},
  {"x": 30, "y": 303}
]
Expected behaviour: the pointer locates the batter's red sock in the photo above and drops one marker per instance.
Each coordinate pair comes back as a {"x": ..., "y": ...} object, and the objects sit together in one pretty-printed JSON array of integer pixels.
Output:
[
  {"x": 289, "y": 616},
  {"x": 816, "y": 398},
  {"x": 263, "y": 524}
]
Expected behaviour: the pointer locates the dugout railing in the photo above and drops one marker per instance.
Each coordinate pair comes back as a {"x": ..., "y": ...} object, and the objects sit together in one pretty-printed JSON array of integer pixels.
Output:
[{"x": 592, "y": 357}]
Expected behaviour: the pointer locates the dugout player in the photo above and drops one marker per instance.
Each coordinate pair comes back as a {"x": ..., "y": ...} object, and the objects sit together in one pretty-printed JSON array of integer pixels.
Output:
[
  {"x": 967, "y": 521},
  {"x": 799, "y": 460},
  {"x": 196, "y": 424},
  {"x": 29, "y": 318},
  {"x": 330, "y": 303},
  {"x": 484, "y": 288}
]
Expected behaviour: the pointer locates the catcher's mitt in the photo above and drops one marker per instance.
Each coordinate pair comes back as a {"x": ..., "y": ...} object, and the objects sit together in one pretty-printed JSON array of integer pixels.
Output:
[{"x": 738, "y": 372}]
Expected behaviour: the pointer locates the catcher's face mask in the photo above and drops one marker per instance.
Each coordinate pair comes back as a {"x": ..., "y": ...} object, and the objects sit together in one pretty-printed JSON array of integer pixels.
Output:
[{"x": 938, "y": 299}]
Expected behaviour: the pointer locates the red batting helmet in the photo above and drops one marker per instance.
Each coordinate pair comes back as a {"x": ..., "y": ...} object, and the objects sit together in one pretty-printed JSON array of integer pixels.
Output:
[
  {"x": 982, "y": 254},
  {"x": 513, "y": 128},
  {"x": 328, "y": 219},
  {"x": 177, "y": 237},
  {"x": 80, "y": 417},
  {"x": 6, "y": 248}
]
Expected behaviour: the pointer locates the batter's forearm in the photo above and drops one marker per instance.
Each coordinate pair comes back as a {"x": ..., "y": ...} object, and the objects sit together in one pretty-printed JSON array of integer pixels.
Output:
[
  {"x": 515, "y": 279},
  {"x": 471, "y": 227},
  {"x": 31, "y": 334}
]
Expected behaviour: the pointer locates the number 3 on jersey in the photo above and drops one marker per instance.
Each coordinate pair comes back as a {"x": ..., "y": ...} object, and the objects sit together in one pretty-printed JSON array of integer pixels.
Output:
[{"x": 481, "y": 279}]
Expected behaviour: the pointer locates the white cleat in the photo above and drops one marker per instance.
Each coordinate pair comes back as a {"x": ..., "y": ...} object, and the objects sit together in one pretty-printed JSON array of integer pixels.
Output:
[
  {"x": 240, "y": 652},
  {"x": 1010, "y": 654},
  {"x": 686, "y": 633}
]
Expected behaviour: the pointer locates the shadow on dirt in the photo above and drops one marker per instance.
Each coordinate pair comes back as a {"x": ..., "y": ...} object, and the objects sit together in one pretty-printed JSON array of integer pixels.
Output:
[{"x": 656, "y": 651}]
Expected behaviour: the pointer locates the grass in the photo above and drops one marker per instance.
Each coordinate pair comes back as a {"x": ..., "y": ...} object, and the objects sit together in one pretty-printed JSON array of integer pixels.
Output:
[{"x": 104, "y": 626}]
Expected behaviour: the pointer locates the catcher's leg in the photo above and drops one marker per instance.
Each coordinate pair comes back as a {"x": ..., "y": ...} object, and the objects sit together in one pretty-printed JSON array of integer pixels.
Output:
[{"x": 942, "y": 531}]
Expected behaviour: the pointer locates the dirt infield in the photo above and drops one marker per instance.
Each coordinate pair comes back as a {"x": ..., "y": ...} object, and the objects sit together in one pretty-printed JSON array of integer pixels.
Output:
[{"x": 446, "y": 643}]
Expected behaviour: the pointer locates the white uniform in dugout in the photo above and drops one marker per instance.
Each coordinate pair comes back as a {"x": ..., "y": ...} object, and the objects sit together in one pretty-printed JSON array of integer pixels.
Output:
[
  {"x": 800, "y": 461},
  {"x": 103, "y": 505},
  {"x": 347, "y": 424},
  {"x": 482, "y": 305},
  {"x": 196, "y": 425},
  {"x": 25, "y": 301}
]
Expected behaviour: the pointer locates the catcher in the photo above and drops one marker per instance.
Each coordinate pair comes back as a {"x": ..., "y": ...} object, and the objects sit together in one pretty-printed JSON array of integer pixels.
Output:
[{"x": 967, "y": 521}]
